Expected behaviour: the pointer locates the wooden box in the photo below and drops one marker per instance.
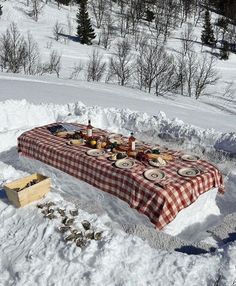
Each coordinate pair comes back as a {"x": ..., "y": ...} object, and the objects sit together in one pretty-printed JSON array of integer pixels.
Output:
[{"x": 20, "y": 195}]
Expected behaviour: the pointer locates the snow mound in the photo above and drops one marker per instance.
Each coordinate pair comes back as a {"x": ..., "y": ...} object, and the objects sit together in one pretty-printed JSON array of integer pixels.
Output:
[{"x": 113, "y": 119}]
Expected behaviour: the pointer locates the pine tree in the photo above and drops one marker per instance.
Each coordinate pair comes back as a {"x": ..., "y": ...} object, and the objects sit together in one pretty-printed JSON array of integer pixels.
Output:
[
  {"x": 85, "y": 32},
  {"x": 207, "y": 36},
  {"x": 0, "y": 10}
]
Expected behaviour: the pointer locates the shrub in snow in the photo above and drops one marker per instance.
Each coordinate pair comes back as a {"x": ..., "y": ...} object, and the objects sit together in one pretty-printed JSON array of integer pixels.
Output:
[
  {"x": 53, "y": 65},
  {"x": 96, "y": 67},
  {"x": 12, "y": 50}
]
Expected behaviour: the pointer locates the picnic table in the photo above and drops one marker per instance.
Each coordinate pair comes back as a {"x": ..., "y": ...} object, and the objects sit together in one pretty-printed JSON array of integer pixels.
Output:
[{"x": 161, "y": 201}]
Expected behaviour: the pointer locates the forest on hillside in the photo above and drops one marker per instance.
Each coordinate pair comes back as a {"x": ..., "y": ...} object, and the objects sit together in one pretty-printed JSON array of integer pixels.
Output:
[{"x": 135, "y": 33}]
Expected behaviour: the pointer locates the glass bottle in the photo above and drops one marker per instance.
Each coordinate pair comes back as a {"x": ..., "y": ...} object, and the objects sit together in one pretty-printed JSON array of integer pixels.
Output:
[
  {"x": 89, "y": 129},
  {"x": 132, "y": 140}
]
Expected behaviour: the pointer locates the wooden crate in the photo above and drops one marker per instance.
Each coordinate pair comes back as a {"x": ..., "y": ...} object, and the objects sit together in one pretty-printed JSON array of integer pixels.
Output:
[{"x": 20, "y": 198}]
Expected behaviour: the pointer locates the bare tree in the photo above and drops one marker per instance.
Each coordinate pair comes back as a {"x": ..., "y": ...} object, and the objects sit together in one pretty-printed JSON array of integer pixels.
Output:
[
  {"x": 96, "y": 67},
  {"x": 120, "y": 65},
  {"x": 205, "y": 75},
  {"x": 181, "y": 72},
  {"x": 107, "y": 30},
  {"x": 32, "y": 60},
  {"x": 99, "y": 8},
  {"x": 154, "y": 69},
  {"x": 12, "y": 50},
  {"x": 191, "y": 69},
  {"x": 36, "y": 9},
  {"x": 135, "y": 12},
  {"x": 57, "y": 31},
  {"x": 187, "y": 38}
]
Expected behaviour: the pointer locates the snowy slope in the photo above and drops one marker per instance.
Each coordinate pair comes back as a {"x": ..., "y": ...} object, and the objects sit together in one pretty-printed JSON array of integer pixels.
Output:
[{"x": 32, "y": 251}]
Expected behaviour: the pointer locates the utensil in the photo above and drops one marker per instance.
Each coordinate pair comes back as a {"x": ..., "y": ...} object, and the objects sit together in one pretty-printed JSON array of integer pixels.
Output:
[
  {"x": 188, "y": 172},
  {"x": 154, "y": 175},
  {"x": 95, "y": 152},
  {"x": 124, "y": 163}
]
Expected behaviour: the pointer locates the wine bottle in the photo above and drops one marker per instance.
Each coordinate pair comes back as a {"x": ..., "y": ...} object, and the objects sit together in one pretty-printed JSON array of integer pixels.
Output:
[
  {"x": 132, "y": 142},
  {"x": 89, "y": 129}
]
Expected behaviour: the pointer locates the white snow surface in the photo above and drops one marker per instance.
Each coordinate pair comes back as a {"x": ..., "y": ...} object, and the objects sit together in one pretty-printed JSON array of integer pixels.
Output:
[{"x": 32, "y": 251}]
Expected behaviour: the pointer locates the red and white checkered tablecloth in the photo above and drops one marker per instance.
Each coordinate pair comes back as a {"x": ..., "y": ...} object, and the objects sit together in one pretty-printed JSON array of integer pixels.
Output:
[{"x": 160, "y": 204}]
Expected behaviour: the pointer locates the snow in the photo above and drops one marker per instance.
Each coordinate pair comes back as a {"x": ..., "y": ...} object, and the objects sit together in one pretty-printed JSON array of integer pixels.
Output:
[
  {"x": 131, "y": 252},
  {"x": 117, "y": 259}
]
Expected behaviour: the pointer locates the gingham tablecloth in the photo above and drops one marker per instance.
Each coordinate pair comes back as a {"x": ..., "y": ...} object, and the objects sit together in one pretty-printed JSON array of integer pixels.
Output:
[{"x": 160, "y": 203}]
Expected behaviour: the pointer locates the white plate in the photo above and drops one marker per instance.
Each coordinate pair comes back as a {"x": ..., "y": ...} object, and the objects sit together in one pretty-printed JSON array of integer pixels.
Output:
[
  {"x": 124, "y": 163},
  {"x": 190, "y": 158},
  {"x": 95, "y": 152},
  {"x": 188, "y": 172},
  {"x": 159, "y": 163},
  {"x": 154, "y": 175}
]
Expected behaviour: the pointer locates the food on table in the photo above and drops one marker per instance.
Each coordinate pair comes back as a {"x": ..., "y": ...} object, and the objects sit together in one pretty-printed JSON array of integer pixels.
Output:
[
  {"x": 121, "y": 155},
  {"x": 99, "y": 143},
  {"x": 113, "y": 157},
  {"x": 166, "y": 157},
  {"x": 75, "y": 142},
  {"x": 93, "y": 142},
  {"x": 156, "y": 151},
  {"x": 157, "y": 162},
  {"x": 65, "y": 134},
  {"x": 132, "y": 154}
]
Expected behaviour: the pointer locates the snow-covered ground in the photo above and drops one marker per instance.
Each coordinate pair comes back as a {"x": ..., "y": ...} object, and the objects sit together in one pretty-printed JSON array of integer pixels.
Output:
[
  {"x": 32, "y": 250},
  {"x": 131, "y": 252}
]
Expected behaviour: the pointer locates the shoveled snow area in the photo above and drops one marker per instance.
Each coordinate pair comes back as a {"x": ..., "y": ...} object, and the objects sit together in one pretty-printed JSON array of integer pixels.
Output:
[{"x": 34, "y": 253}]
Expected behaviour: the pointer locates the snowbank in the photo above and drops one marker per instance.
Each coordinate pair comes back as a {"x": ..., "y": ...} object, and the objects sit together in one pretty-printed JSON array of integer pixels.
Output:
[{"x": 18, "y": 114}]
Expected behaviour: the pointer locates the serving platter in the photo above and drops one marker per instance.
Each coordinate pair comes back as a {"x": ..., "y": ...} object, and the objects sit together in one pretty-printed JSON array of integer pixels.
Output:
[
  {"x": 96, "y": 152},
  {"x": 190, "y": 158},
  {"x": 124, "y": 163},
  {"x": 154, "y": 175},
  {"x": 188, "y": 172}
]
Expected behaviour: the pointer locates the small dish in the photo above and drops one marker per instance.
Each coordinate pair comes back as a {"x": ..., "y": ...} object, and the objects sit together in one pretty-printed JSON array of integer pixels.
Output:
[
  {"x": 124, "y": 163},
  {"x": 95, "y": 152},
  {"x": 188, "y": 172},
  {"x": 190, "y": 158},
  {"x": 154, "y": 175}
]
